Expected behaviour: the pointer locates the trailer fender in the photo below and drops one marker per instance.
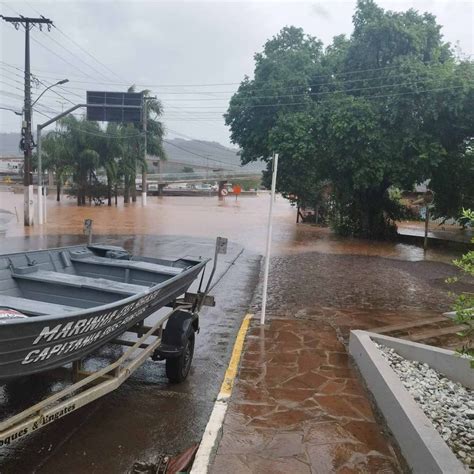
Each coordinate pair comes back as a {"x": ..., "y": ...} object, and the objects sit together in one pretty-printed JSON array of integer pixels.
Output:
[{"x": 179, "y": 328}]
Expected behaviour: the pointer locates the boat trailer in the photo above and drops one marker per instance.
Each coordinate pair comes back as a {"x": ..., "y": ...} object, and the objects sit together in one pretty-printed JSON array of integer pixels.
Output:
[{"x": 173, "y": 343}]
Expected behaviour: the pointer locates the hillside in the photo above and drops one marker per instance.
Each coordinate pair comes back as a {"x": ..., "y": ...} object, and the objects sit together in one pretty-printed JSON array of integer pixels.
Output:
[
  {"x": 180, "y": 153},
  {"x": 9, "y": 144}
]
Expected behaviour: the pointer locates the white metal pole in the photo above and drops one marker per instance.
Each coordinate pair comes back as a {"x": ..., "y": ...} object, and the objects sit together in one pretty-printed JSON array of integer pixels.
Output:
[
  {"x": 40, "y": 175},
  {"x": 145, "y": 166},
  {"x": 269, "y": 240},
  {"x": 45, "y": 204}
]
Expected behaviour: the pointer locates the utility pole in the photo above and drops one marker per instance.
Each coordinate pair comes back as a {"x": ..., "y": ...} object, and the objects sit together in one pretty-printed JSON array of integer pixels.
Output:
[{"x": 27, "y": 138}]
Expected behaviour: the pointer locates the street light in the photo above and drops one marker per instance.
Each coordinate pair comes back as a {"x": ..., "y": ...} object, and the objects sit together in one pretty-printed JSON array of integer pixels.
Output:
[
  {"x": 41, "y": 202},
  {"x": 59, "y": 83},
  {"x": 12, "y": 110}
]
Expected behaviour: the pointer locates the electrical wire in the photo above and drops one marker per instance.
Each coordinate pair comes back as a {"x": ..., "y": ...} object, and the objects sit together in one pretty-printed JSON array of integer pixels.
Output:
[
  {"x": 209, "y": 144},
  {"x": 307, "y": 94},
  {"x": 293, "y": 87},
  {"x": 78, "y": 45},
  {"x": 87, "y": 52},
  {"x": 199, "y": 155},
  {"x": 339, "y": 92},
  {"x": 73, "y": 54},
  {"x": 332, "y": 76},
  {"x": 60, "y": 57}
]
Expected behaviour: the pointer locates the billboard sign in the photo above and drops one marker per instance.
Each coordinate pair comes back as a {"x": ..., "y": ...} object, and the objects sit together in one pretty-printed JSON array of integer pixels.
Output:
[{"x": 126, "y": 106}]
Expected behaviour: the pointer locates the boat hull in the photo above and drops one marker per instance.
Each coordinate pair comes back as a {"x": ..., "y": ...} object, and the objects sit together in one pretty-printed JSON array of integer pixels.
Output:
[{"x": 41, "y": 343}]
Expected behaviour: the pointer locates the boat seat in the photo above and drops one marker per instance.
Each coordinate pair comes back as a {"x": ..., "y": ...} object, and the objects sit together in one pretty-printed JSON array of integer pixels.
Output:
[
  {"x": 131, "y": 264},
  {"x": 34, "y": 307},
  {"x": 66, "y": 279}
]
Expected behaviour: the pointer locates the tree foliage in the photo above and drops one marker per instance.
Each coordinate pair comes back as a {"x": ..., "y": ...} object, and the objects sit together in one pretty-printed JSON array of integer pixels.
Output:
[
  {"x": 388, "y": 106},
  {"x": 464, "y": 305}
]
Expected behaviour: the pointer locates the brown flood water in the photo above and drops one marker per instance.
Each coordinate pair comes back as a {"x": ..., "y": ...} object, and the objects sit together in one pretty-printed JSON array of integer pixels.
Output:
[{"x": 243, "y": 221}]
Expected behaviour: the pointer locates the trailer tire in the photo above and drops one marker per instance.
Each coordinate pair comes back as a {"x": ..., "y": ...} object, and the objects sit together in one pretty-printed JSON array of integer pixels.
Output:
[{"x": 177, "y": 368}]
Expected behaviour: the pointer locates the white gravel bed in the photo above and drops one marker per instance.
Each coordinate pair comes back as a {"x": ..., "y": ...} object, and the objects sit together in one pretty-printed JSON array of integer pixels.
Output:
[{"x": 449, "y": 405}]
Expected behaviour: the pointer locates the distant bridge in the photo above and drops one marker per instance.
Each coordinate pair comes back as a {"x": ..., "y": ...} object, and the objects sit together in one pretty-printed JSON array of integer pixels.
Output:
[{"x": 198, "y": 177}]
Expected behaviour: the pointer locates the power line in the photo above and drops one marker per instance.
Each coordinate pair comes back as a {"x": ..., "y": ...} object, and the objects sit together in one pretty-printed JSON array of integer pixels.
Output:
[
  {"x": 56, "y": 92},
  {"x": 60, "y": 57},
  {"x": 336, "y": 93},
  {"x": 89, "y": 54},
  {"x": 9, "y": 85},
  {"x": 36, "y": 79},
  {"x": 199, "y": 155},
  {"x": 78, "y": 57},
  {"x": 105, "y": 135},
  {"x": 314, "y": 94},
  {"x": 209, "y": 144},
  {"x": 79, "y": 46},
  {"x": 331, "y": 76},
  {"x": 307, "y": 93}
]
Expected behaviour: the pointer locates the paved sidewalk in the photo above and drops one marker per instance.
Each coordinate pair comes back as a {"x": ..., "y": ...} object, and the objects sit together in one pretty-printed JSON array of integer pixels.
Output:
[{"x": 298, "y": 407}]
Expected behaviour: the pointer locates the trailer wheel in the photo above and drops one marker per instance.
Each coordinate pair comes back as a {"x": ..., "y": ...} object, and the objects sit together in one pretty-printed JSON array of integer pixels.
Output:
[{"x": 177, "y": 369}]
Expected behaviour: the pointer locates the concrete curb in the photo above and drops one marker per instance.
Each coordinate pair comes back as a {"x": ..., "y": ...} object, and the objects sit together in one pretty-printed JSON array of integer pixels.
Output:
[
  {"x": 422, "y": 446},
  {"x": 209, "y": 441}
]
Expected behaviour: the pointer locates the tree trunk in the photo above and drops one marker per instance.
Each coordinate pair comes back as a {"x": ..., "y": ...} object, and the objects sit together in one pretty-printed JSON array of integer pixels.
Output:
[
  {"x": 58, "y": 190},
  {"x": 126, "y": 190},
  {"x": 133, "y": 188},
  {"x": 90, "y": 188},
  {"x": 116, "y": 193},
  {"x": 83, "y": 188},
  {"x": 109, "y": 191}
]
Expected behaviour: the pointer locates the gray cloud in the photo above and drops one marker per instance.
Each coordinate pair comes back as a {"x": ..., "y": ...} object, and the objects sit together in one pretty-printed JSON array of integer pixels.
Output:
[
  {"x": 173, "y": 48},
  {"x": 320, "y": 10}
]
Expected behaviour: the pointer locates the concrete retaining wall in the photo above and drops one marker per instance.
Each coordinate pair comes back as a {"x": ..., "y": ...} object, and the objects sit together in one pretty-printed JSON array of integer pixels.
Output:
[
  {"x": 422, "y": 446},
  {"x": 445, "y": 362}
]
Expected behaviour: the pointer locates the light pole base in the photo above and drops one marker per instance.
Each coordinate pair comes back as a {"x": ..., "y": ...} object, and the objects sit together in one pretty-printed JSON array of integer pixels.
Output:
[
  {"x": 143, "y": 199},
  {"x": 40, "y": 205},
  {"x": 29, "y": 205},
  {"x": 45, "y": 204}
]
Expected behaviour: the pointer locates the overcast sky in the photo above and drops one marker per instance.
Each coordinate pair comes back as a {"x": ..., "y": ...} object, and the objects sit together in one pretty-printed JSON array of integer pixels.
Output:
[{"x": 188, "y": 53}]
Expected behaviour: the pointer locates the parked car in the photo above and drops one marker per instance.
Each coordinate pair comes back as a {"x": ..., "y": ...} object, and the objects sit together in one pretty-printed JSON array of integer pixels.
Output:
[{"x": 203, "y": 187}]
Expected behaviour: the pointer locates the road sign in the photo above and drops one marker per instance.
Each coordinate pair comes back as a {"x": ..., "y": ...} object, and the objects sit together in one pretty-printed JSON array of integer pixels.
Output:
[
  {"x": 221, "y": 245},
  {"x": 132, "y": 112}
]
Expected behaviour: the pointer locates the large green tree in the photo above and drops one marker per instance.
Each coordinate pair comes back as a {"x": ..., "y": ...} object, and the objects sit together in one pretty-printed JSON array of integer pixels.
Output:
[{"x": 389, "y": 106}]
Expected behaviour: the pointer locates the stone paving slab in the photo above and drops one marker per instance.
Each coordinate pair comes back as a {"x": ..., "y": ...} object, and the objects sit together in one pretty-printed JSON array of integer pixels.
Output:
[{"x": 298, "y": 406}]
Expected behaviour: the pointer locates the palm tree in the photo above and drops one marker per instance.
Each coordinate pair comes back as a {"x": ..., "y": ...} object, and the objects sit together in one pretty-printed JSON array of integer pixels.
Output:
[
  {"x": 56, "y": 158},
  {"x": 154, "y": 142},
  {"x": 111, "y": 151},
  {"x": 82, "y": 139}
]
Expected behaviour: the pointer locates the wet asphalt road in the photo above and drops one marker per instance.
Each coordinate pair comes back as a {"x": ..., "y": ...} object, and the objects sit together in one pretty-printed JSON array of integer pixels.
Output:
[{"x": 147, "y": 416}]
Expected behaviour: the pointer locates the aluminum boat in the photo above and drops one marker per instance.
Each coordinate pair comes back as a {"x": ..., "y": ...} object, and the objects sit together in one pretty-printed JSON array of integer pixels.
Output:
[{"x": 58, "y": 305}]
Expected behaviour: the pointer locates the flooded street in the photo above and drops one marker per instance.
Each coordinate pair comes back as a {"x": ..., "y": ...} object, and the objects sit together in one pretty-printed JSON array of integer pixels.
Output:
[
  {"x": 315, "y": 277},
  {"x": 242, "y": 221}
]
